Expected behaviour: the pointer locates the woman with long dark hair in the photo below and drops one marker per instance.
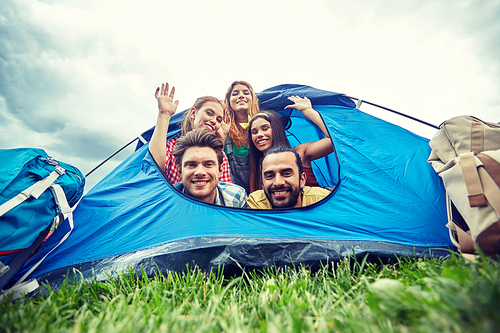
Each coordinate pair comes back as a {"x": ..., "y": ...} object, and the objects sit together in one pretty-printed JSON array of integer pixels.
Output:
[{"x": 266, "y": 130}]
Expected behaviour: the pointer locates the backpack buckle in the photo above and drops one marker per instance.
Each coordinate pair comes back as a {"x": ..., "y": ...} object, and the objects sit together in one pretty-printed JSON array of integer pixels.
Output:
[
  {"x": 50, "y": 161},
  {"x": 60, "y": 170}
]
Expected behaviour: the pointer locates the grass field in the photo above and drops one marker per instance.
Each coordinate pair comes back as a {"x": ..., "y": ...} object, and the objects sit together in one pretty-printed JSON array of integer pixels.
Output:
[{"x": 408, "y": 295}]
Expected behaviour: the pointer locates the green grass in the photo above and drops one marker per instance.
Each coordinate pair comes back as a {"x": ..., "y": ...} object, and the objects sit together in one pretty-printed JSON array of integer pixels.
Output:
[{"x": 410, "y": 295}]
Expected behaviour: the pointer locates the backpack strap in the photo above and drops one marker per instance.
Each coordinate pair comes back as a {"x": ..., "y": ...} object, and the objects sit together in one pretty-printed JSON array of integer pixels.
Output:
[
  {"x": 491, "y": 166},
  {"x": 477, "y": 136},
  {"x": 472, "y": 181},
  {"x": 461, "y": 238},
  {"x": 65, "y": 209},
  {"x": 465, "y": 241},
  {"x": 21, "y": 257},
  {"x": 483, "y": 183},
  {"x": 19, "y": 290},
  {"x": 491, "y": 190},
  {"x": 34, "y": 190}
]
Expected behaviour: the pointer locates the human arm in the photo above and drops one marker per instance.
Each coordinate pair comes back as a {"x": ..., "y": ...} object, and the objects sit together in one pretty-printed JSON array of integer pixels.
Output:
[
  {"x": 166, "y": 109},
  {"x": 310, "y": 151},
  {"x": 304, "y": 105}
]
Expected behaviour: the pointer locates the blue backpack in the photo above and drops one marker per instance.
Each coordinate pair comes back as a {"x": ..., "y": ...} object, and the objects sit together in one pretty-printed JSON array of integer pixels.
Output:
[{"x": 36, "y": 194}]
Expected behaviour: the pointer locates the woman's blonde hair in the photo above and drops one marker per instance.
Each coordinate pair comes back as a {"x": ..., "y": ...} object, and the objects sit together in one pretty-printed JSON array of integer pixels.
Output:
[
  {"x": 236, "y": 130},
  {"x": 187, "y": 122}
]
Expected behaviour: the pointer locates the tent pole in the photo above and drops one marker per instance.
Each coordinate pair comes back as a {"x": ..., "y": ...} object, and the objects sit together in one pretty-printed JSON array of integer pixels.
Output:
[
  {"x": 110, "y": 157},
  {"x": 358, "y": 104}
]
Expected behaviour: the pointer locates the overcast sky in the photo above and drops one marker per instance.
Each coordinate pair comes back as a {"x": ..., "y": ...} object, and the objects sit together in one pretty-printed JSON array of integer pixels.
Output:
[{"x": 77, "y": 77}]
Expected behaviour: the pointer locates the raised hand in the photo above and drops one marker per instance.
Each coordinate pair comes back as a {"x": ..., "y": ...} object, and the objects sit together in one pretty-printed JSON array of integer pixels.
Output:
[
  {"x": 166, "y": 109},
  {"x": 224, "y": 128},
  {"x": 304, "y": 105},
  {"x": 299, "y": 103},
  {"x": 166, "y": 104}
]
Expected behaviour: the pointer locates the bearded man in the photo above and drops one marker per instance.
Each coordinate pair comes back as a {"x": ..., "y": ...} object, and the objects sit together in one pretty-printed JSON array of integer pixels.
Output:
[{"x": 283, "y": 182}]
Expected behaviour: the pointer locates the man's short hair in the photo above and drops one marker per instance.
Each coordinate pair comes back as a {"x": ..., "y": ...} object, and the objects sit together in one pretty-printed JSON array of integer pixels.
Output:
[
  {"x": 282, "y": 149},
  {"x": 200, "y": 137}
]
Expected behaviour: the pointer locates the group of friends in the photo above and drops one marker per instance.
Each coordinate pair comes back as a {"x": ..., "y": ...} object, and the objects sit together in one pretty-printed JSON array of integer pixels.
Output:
[{"x": 231, "y": 153}]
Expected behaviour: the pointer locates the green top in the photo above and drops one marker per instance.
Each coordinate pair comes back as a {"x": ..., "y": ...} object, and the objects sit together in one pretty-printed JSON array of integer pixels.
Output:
[{"x": 242, "y": 151}]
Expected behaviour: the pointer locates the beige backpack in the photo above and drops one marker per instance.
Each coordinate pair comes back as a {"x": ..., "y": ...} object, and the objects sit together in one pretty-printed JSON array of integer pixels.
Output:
[{"x": 466, "y": 155}]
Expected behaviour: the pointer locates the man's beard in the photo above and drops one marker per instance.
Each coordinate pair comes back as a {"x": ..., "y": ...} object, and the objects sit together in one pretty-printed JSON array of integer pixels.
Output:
[{"x": 285, "y": 203}]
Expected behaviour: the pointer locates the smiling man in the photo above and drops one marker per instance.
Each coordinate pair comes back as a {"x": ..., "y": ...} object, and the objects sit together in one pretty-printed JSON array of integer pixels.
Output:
[
  {"x": 283, "y": 182},
  {"x": 199, "y": 156}
]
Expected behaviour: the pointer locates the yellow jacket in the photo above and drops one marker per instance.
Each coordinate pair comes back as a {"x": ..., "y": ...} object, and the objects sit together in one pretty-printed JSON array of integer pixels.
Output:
[{"x": 309, "y": 195}]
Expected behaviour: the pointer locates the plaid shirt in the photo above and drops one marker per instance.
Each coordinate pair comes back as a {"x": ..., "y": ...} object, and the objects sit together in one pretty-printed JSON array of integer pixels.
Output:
[
  {"x": 172, "y": 168},
  {"x": 229, "y": 195}
]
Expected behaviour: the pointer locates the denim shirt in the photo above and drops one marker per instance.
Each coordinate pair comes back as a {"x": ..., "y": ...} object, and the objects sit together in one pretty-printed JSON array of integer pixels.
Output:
[{"x": 239, "y": 165}]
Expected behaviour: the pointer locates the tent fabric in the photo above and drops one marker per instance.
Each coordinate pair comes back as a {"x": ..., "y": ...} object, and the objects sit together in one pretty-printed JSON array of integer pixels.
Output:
[
  {"x": 387, "y": 201},
  {"x": 276, "y": 98}
]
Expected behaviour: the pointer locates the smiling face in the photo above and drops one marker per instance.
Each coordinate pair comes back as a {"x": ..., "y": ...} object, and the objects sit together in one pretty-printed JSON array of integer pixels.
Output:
[
  {"x": 241, "y": 98},
  {"x": 200, "y": 173},
  {"x": 208, "y": 116},
  {"x": 262, "y": 134},
  {"x": 281, "y": 180}
]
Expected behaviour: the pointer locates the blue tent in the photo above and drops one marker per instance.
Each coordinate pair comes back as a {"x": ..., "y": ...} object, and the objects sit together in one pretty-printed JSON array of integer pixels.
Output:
[{"x": 387, "y": 202}]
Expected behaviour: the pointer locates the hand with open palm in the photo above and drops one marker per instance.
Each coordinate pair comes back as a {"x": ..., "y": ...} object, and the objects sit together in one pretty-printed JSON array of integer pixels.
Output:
[{"x": 166, "y": 104}]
